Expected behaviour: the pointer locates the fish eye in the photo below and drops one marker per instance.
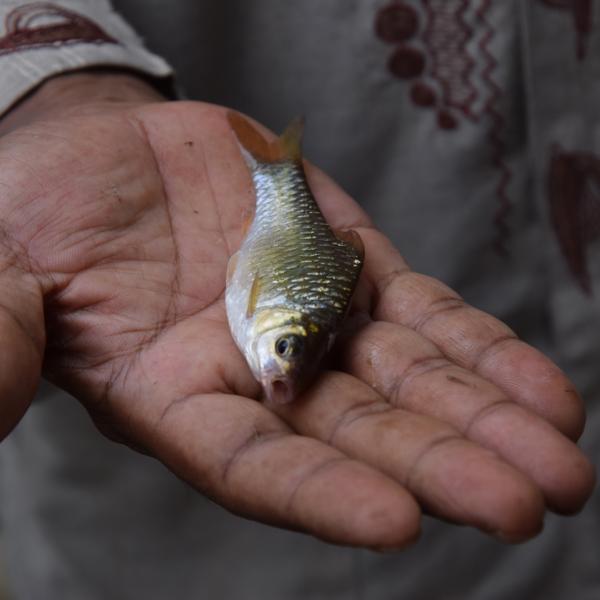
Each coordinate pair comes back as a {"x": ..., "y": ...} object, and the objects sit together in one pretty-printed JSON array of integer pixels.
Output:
[{"x": 288, "y": 346}]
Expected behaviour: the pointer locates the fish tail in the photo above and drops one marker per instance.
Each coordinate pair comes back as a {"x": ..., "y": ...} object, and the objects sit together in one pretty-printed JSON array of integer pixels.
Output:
[{"x": 286, "y": 147}]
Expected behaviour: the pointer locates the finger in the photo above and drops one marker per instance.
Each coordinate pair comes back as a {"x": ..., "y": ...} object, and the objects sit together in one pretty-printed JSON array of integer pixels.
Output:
[
  {"x": 470, "y": 338},
  {"x": 411, "y": 372},
  {"x": 452, "y": 477},
  {"x": 248, "y": 460},
  {"x": 22, "y": 335},
  {"x": 338, "y": 208},
  {"x": 242, "y": 455}
]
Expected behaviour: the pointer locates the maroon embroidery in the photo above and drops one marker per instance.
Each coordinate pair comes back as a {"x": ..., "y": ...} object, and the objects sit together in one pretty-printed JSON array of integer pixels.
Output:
[
  {"x": 406, "y": 62},
  {"x": 432, "y": 47},
  {"x": 41, "y": 24},
  {"x": 496, "y": 134},
  {"x": 443, "y": 46},
  {"x": 581, "y": 10},
  {"x": 574, "y": 199},
  {"x": 446, "y": 120},
  {"x": 396, "y": 23},
  {"x": 446, "y": 36},
  {"x": 422, "y": 94}
]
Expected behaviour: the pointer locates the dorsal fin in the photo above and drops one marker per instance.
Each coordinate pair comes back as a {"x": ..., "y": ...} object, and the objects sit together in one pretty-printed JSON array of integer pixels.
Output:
[
  {"x": 287, "y": 147},
  {"x": 291, "y": 139}
]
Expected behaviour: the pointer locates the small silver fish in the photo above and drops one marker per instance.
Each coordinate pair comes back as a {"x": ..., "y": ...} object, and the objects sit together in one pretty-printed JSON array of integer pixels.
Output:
[{"x": 290, "y": 284}]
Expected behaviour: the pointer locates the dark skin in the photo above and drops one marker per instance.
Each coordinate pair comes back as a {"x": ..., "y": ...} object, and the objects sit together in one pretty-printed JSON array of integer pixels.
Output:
[{"x": 120, "y": 212}]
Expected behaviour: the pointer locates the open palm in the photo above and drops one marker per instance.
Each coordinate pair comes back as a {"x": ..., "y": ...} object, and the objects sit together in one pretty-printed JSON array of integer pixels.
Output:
[{"x": 116, "y": 232}]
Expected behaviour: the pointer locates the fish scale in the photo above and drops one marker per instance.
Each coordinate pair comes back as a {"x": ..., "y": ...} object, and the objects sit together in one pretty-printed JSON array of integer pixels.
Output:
[{"x": 292, "y": 248}]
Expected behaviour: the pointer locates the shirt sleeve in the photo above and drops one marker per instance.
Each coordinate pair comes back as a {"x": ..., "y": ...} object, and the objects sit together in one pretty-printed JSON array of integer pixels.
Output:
[{"x": 42, "y": 39}]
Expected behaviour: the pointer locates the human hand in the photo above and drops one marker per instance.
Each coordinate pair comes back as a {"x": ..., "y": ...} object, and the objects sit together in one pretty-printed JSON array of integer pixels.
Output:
[{"x": 119, "y": 217}]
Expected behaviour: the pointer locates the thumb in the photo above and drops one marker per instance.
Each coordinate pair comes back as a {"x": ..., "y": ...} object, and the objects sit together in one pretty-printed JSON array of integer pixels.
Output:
[{"x": 22, "y": 340}]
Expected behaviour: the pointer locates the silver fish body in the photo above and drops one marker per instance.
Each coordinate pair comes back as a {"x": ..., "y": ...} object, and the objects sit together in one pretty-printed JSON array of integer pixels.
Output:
[{"x": 291, "y": 282}]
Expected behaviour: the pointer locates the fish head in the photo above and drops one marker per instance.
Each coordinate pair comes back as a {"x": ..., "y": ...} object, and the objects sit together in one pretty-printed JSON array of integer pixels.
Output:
[{"x": 286, "y": 356}]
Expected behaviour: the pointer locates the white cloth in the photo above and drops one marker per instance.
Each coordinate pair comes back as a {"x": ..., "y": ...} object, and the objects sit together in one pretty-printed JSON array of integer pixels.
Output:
[{"x": 38, "y": 40}]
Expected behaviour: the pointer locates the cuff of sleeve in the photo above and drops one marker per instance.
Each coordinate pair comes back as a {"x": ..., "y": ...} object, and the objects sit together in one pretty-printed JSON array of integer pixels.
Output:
[{"x": 41, "y": 40}]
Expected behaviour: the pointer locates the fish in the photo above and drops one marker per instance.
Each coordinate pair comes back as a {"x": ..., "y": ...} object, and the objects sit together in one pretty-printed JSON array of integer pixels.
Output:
[{"x": 290, "y": 285}]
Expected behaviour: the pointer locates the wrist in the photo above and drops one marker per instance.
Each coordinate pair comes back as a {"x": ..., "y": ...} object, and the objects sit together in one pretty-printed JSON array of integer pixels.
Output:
[{"x": 72, "y": 92}]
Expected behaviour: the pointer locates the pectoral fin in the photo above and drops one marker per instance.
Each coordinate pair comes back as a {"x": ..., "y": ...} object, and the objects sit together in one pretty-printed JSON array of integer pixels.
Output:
[{"x": 253, "y": 297}]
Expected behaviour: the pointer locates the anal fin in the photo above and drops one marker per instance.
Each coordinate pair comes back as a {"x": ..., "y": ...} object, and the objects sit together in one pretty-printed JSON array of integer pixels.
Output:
[{"x": 231, "y": 265}]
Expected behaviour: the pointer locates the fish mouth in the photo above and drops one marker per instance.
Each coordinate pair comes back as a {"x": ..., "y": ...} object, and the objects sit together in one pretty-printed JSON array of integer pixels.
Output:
[{"x": 278, "y": 391}]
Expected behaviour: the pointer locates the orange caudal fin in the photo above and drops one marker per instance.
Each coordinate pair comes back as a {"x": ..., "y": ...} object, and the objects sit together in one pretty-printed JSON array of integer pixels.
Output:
[{"x": 286, "y": 147}]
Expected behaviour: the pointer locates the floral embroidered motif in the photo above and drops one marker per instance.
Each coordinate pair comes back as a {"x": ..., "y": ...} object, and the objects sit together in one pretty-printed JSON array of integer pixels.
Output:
[
  {"x": 42, "y": 24},
  {"x": 574, "y": 203},
  {"x": 443, "y": 48}
]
